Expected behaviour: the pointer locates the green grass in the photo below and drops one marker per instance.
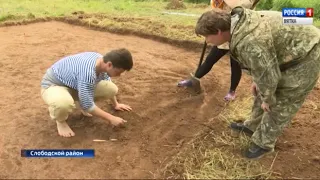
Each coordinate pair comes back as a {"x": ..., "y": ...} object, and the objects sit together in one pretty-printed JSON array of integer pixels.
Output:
[
  {"x": 316, "y": 22},
  {"x": 155, "y": 21},
  {"x": 131, "y": 8}
]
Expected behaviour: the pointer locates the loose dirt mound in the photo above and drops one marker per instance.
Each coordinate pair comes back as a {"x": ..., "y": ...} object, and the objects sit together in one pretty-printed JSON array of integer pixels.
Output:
[
  {"x": 164, "y": 117},
  {"x": 175, "y": 4}
]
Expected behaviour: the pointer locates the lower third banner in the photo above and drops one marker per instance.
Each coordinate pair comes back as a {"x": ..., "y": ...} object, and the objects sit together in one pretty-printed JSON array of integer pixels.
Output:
[{"x": 57, "y": 153}]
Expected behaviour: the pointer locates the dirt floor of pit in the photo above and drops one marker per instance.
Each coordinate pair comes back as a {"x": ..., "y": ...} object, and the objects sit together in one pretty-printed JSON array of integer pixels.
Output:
[
  {"x": 164, "y": 116},
  {"x": 163, "y": 120}
]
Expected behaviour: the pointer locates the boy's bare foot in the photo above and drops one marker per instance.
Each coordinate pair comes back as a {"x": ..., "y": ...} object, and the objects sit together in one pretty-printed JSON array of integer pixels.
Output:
[
  {"x": 86, "y": 114},
  {"x": 64, "y": 129}
]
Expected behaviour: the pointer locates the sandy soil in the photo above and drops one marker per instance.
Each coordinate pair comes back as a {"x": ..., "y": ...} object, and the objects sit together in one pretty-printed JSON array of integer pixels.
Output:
[
  {"x": 164, "y": 116},
  {"x": 163, "y": 120}
]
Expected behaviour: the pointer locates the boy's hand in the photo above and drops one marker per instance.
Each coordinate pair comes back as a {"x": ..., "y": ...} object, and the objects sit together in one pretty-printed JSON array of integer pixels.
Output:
[
  {"x": 122, "y": 107},
  {"x": 116, "y": 121}
]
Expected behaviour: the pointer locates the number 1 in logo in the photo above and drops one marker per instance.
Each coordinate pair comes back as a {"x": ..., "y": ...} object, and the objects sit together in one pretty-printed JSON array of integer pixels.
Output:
[{"x": 309, "y": 12}]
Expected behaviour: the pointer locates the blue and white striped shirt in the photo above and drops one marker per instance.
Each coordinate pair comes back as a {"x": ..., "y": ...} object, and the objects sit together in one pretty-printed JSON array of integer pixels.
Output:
[{"x": 79, "y": 72}]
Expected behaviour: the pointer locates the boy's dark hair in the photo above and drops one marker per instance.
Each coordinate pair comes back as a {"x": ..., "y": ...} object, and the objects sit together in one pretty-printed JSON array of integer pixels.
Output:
[
  {"x": 120, "y": 58},
  {"x": 212, "y": 21}
]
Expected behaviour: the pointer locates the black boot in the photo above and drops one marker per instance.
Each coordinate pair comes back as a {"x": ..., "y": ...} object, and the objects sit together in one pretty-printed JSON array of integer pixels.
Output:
[
  {"x": 241, "y": 127},
  {"x": 255, "y": 151}
]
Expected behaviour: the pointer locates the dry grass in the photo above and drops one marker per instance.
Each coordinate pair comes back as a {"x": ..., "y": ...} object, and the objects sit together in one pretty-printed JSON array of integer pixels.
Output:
[
  {"x": 239, "y": 110},
  {"x": 216, "y": 155},
  {"x": 175, "y": 4}
]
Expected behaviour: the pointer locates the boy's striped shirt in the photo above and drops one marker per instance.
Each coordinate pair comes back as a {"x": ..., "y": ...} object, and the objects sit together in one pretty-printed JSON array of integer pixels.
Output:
[{"x": 79, "y": 72}]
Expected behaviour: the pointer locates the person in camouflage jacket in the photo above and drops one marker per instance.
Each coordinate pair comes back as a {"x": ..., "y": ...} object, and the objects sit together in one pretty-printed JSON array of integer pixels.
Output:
[{"x": 283, "y": 60}]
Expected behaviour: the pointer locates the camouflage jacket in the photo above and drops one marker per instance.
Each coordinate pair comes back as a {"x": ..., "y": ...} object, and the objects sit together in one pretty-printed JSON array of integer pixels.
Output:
[{"x": 264, "y": 47}]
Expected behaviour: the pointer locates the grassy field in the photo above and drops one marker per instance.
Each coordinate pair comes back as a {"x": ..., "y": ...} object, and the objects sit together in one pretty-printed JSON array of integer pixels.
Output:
[
  {"x": 151, "y": 17},
  {"x": 147, "y": 16}
]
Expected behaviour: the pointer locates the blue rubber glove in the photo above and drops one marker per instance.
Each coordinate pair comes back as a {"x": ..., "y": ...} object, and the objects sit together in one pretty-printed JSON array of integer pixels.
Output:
[
  {"x": 191, "y": 82},
  {"x": 185, "y": 83}
]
